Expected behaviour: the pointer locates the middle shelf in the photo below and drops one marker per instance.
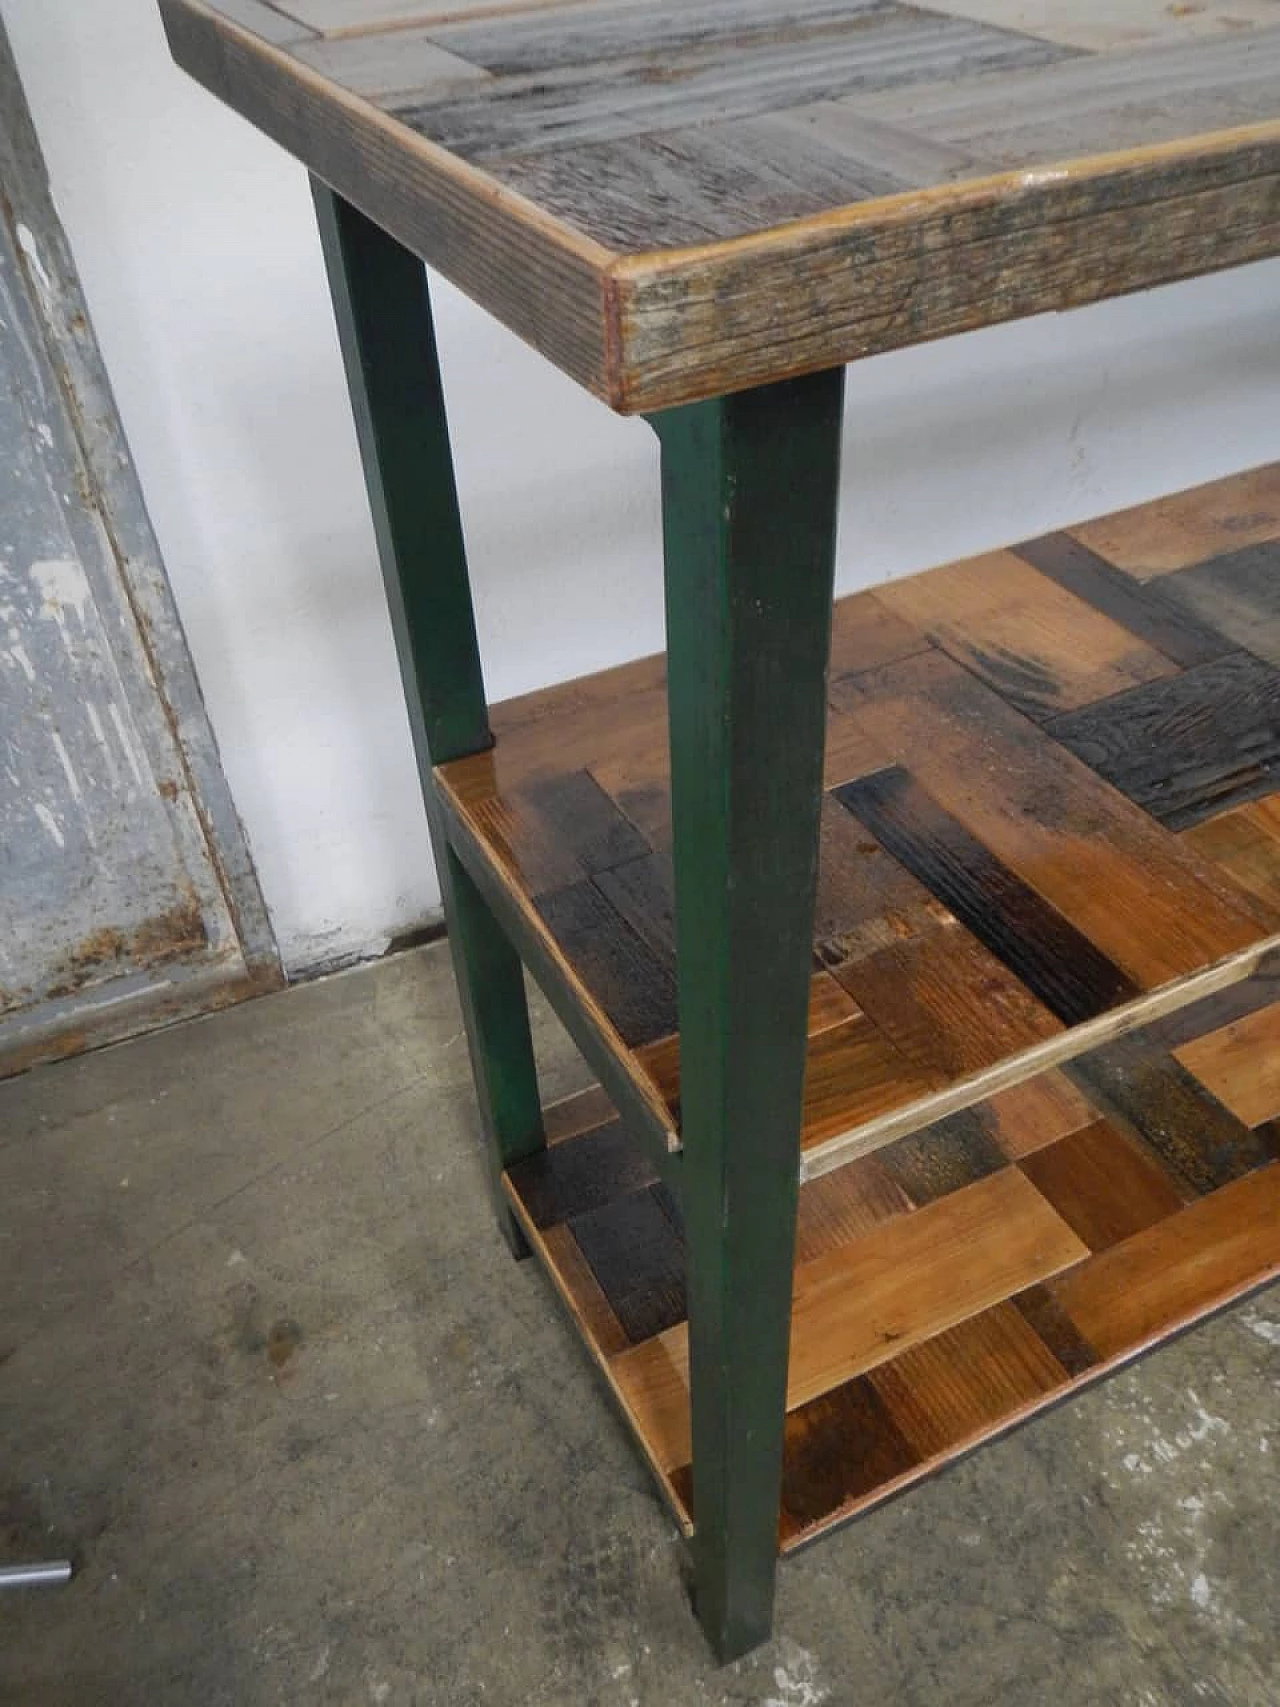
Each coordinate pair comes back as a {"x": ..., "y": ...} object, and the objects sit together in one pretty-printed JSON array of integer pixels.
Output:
[{"x": 1007, "y": 877}]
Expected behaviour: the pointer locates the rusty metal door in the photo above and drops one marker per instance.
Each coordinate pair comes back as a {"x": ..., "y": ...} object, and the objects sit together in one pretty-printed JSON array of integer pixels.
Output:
[{"x": 126, "y": 892}]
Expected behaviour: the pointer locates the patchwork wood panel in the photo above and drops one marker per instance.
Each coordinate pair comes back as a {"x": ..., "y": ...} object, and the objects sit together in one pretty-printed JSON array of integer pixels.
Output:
[
  {"x": 944, "y": 1291},
  {"x": 983, "y": 889},
  {"x": 666, "y": 198}
]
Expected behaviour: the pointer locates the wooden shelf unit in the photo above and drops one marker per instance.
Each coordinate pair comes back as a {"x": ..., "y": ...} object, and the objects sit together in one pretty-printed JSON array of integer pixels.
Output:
[{"x": 1043, "y": 1089}]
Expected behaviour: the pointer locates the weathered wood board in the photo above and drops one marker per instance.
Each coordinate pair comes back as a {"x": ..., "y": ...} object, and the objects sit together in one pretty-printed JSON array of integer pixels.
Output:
[{"x": 673, "y": 201}]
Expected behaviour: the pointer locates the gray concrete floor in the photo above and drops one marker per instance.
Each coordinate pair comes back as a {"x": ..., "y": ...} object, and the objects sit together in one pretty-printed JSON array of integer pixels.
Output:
[{"x": 268, "y": 1374}]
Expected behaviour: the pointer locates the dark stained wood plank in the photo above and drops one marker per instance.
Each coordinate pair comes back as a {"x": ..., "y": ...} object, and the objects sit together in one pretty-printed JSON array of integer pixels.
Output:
[
  {"x": 567, "y": 1179},
  {"x": 1190, "y": 527},
  {"x": 639, "y": 93},
  {"x": 1240, "y": 1065},
  {"x": 1186, "y": 749},
  {"x": 1042, "y": 648},
  {"x": 1051, "y": 1324},
  {"x": 636, "y": 1253},
  {"x": 840, "y": 1448},
  {"x": 642, "y": 891},
  {"x": 602, "y": 1328},
  {"x": 1060, "y": 965},
  {"x": 942, "y": 1158},
  {"x": 1245, "y": 845},
  {"x": 1152, "y": 1097},
  {"x": 1127, "y": 885},
  {"x": 1211, "y": 1013},
  {"x": 1179, "y": 1269},
  {"x": 1144, "y": 611},
  {"x": 1103, "y": 1185},
  {"x": 960, "y": 1385},
  {"x": 530, "y": 849},
  {"x": 1239, "y": 594},
  {"x": 632, "y": 985},
  {"x": 587, "y": 821}
]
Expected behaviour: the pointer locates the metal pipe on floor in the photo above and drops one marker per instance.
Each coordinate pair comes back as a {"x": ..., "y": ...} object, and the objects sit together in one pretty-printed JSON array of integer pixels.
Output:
[{"x": 52, "y": 1575}]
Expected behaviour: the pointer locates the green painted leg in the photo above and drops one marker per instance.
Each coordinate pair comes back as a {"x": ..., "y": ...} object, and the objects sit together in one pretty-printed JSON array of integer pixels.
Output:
[
  {"x": 388, "y": 345},
  {"x": 749, "y": 486}
]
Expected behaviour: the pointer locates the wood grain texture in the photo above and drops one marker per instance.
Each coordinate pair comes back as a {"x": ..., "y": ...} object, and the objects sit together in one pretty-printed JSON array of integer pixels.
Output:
[
  {"x": 1190, "y": 527},
  {"x": 641, "y": 189},
  {"x": 1246, "y": 845},
  {"x": 1240, "y": 1065},
  {"x": 1239, "y": 594}
]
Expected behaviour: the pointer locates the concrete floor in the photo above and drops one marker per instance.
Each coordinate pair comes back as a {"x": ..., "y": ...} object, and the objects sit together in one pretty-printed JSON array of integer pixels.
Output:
[{"x": 267, "y": 1373}]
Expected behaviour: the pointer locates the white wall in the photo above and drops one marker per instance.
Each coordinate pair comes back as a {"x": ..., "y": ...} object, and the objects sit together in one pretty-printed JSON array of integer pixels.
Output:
[{"x": 196, "y": 247}]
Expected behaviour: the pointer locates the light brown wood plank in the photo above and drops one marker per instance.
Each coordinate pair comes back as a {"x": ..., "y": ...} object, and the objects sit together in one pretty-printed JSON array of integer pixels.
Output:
[
  {"x": 1041, "y": 1111},
  {"x": 959, "y": 1385},
  {"x": 1041, "y": 648},
  {"x": 1179, "y": 1269},
  {"x": 1127, "y": 884},
  {"x": 1245, "y": 844},
  {"x": 1241, "y": 1065},
  {"x": 573, "y": 1115},
  {"x": 600, "y": 1326},
  {"x": 905, "y": 1281},
  {"x": 845, "y": 1205},
  {"x": 389, "y": 62},
  {"x": 1191, "y": 527}
]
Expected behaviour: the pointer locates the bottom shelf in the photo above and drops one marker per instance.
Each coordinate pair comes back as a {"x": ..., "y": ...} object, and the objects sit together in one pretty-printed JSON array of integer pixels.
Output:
[{"x": 952, "y": 1283}]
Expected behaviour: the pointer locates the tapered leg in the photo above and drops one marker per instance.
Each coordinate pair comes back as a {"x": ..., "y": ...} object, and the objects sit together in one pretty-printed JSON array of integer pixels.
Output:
[
  {"x": 749, "y": 487},
  {"x": 380, "y": 299}
]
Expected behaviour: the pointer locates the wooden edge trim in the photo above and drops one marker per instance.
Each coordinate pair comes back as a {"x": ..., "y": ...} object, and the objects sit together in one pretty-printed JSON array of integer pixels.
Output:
[
  {"x": 639, "y": 1081},
  {"x": 602, "y": 1363},
  {"x": 907, "y": 206},
  {"x": 873, "y": 1135}
]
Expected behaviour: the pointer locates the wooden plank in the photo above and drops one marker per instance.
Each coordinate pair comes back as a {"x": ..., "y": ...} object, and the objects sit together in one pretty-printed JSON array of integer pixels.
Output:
[
  {"x": 947, "y": 1003},
  {"x": 1051, "y": 1324},
  {"x": 1037, "y": 644},
  {"x": 866, "y": 900},
  {"x": 854, "y": 1073},
  {"x": 942, "y": 1158},
  {"x": 643, "y": 93},
  {"x": 601, "y": 1328},
  {"x": 636, "y": 1253},
  {"x": 1142, "y": 610},
  {"x": 965, "y": 1382},
  {"x": 1127, "y": 885},
  {"x": 1240, "y": 1065},
  {"x": 586, "y": 820},
  {"x": 581, "y": 1112},
  {"x": 1245, "y": 844},
  {"x": 358, "y": 17},
  {"x": 389, "y": 62},
  {"x": 1039, "y": 1112},
  {"x": 1152, "y": 1097},
  {"x": 842, "y": 1206},
  {"x": 1189, "y": 748},
  {"x": 1059, "y": 964},
  {"x": 542, "y": 40},
  {"x": 840, "y": 1448},
  {"x": 643, "y": 892},
  {"x": 1190, "y": 527},
  {"x": 908, "y": 1279},
  {"x": 1104, "y": 1187},
  {"x": 567, "y": 1179},
  {"x": 1096, "y": 103},
  {"x": 268, "y": 21},
  {"x": 633, "y": 987},
  {"x": 1101, "y": 25},
  {"x": 530, "y": 852},
  {"x": 866, "y": 634},
  {"x": 1239, "y": 594},
  {"x": 1179, "y": 1269}
]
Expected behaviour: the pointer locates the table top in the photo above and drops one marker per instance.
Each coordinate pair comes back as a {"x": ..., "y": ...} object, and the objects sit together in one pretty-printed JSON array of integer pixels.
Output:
[{"x": 677, "y": 198}]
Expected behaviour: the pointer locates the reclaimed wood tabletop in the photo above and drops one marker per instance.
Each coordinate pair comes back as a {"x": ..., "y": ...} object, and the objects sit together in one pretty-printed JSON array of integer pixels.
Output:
[{"x": 676, "y": 198}]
